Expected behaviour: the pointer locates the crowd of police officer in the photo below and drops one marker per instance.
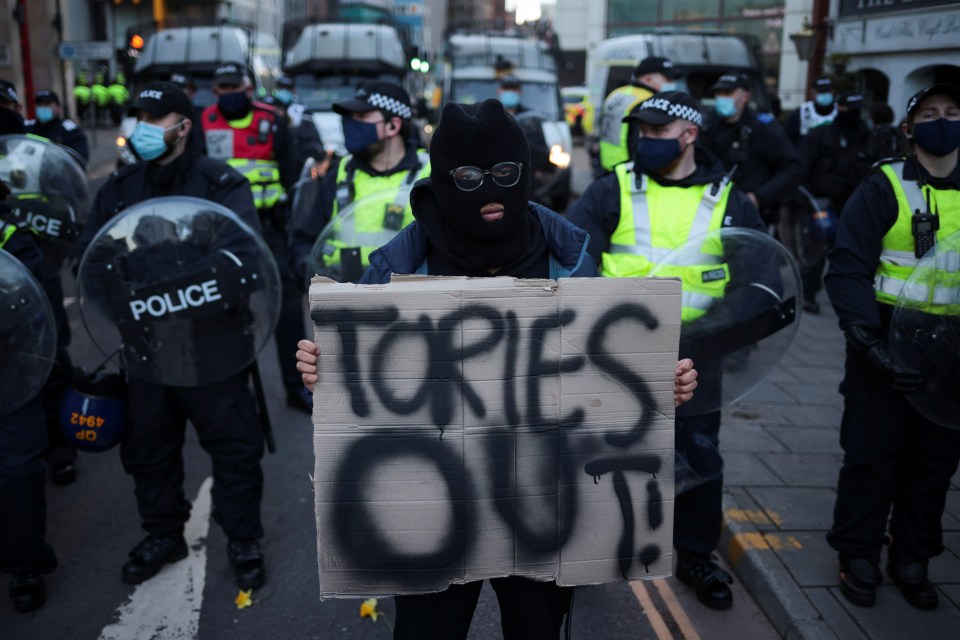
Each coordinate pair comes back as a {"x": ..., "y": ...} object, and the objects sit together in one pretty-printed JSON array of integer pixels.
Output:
[{"x": 671, "y": 171}]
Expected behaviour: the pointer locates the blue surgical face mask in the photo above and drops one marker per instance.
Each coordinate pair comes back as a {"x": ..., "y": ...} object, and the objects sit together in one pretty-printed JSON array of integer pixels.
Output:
[
  {"x": 148, "y": 140},
  {"x": 726, "y": 106},
  {"x": 44, "y": 114},
  {"x": 668, "y": 86},
  {"x": 510, "y": 99},
  {"x": 937, "y": 137},
  {"x": 285, "y": 96},
  {"x": 654, "y": 154},
  {"x": 358, "y": 136},
  {"x": 824, "y": 99}
]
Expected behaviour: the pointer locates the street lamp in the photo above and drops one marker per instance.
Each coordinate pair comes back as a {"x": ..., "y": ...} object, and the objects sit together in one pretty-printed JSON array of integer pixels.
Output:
[{"x": 805, "y": 40}]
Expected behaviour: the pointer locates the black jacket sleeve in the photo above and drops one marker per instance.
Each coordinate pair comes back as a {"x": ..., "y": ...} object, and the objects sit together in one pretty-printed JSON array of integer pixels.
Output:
[
  {"x": 792, "y": 126},
  {"x": 740, "y": 212},
  {"x": 781, "y": 155},
  {"x": 597, "y": 212},
  {"x": 869, "y": 213}
]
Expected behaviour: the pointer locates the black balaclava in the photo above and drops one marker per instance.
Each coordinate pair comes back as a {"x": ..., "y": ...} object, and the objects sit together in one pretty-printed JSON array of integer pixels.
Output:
[{"x": 479, "y": 135}]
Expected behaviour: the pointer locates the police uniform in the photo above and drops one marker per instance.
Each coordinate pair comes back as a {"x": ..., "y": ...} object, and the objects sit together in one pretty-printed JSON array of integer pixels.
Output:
[
  {"x": 376, "y": 220},
  {"x": 613, "y": 134},
  {"x": 24, "y": 551},
  {"x": 811, "y": 113},
  {"x": 62, "y": 131},
  {"x": 635, "y": 219},
  {"x": 254, "y": 141},
  {"x": 756, "y": 150},
  {"x": 893, "y": 456},
  {"x": 224, "y": 413}
]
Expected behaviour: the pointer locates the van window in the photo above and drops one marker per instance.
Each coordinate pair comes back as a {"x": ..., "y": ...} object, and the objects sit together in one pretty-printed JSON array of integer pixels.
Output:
[{"x": 541, "y": 96}]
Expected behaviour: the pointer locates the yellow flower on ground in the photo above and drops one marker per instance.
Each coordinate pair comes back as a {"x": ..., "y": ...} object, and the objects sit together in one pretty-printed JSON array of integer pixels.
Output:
[
  {"x": 369, "y": 608},
  {"x": 243, "y": 599}
]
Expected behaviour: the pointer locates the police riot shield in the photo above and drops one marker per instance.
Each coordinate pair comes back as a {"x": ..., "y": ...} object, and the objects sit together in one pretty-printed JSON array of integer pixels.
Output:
[
  {"x": 342, "y": 250},
  {"x": 925, "y": 331},
  {"x": 807, "y": 228},
  {"x": 48, "y": 187},
  {"x": 28, "y": 335},
  {"x": 740, "y": 305},
  {"x": 187, "y": 291}
]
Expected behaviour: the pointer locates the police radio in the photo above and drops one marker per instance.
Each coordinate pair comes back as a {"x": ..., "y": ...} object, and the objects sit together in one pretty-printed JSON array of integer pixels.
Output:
[{"x": 925, "y": 227}]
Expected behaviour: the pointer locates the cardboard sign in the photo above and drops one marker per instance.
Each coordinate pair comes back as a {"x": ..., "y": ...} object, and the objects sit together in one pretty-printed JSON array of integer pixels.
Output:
[{"x": 468, "y": 428}]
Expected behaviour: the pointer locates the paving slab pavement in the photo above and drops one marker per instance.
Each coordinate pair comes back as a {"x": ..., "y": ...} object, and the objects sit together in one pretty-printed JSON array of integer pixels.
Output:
[{"x": 782, "y": 456}]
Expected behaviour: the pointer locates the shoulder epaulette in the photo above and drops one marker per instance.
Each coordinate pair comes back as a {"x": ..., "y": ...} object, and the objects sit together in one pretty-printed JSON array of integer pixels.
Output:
[{"x": 879, "y": 163}]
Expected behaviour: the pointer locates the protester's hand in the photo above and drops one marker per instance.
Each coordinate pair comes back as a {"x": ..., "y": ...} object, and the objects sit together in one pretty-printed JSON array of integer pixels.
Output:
[
  {"x": 308, "y": 356},
  {"x": 865, "y": 340},
  {"x": 686, "y": 381}
]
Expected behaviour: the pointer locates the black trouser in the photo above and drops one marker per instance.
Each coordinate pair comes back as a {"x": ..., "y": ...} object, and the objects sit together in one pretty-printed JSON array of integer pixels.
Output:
[
  {"x": 225, "y": 417},
  {"x": 698, "y": 513},
  {"x": 290, "y": 328},
  {"x": 811, "y": 277},
  {"x": 529, "y": 610},
  {"x": 893, "y": 457},
  {"x": 23, "y": 505},
  {"x": 60, "y": 451}
]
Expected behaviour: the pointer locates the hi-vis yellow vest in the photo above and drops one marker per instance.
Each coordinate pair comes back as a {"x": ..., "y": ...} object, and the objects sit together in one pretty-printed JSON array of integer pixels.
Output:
[
  {"x": 655, "y": 220},
  {"x": 382, "y": 210},
  {"x": 613, "y": 131},
  {"x": 935, "y": 291}
]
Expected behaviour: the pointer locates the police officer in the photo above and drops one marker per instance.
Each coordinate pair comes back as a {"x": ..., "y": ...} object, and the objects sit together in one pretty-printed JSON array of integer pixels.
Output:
[
  {"x": 252, "y": 137},
  {"x": 836, "y": 158},
  {"x": 224, "y": 413},
  {"x": 813, "y": 113},
  {"x": 763, "y": 161},
  {"x": 510, "y": 94},
  {"x": 100, "y": 96},
  {"x": 83, "y": 95},
  {"x": 650, "y": 76},
  {"x": 119, "y": 95},
  {"x": 893, "y": 456},
  {"x": 51, "y": 124},
  {"x": 376, "y": 127},
  {"x": 24, "y": 551},
  {"x": 304, "y": 138},
  {"x": 673, "y": 190}
]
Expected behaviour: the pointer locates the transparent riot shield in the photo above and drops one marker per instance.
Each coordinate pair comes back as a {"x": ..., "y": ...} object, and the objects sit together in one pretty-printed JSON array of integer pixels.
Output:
[
  {"x": 28, "y": 335},
  {"x": 187, "y": 291},
  {"x": 807, "y": 228},
  {"x": 925, "y": 332},
  {"x": 307, "y": 190},
  {"x": 342, "y": 250},
  {"x": 48, "y": 187}
]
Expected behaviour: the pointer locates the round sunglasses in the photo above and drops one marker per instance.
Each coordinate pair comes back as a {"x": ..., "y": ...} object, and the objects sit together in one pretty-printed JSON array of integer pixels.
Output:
[{"x": 505, "y": 174}]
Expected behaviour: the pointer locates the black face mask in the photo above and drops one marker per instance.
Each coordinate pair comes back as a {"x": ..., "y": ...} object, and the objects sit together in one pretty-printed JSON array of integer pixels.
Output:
[
  {"x": 481, "y": 135},
  {"x": 10, "y": 122},
  {"x": 234, "y": 105}
]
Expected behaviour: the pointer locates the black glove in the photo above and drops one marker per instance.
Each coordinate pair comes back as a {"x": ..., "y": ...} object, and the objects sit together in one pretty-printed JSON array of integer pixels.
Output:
[{"x": 866, "y": 341}]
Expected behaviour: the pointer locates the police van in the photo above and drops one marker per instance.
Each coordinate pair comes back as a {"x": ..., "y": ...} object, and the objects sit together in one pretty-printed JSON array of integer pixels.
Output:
[
  {"x": 328, "y": 61},
  {"x": 473, "y": 63},
  {"x": 198, "y": 51},
  {"x": 702, "y": 56}
]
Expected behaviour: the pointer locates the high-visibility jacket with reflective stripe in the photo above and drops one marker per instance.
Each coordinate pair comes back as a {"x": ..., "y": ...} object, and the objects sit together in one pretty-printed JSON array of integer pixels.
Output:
[
  {"x": 246, "y": 145},
  {"x": 8, "y": 231},
  {"x": 935, "y": 291},
  {"x": 613, "y": 131},
  {"x": 655, "y": 220},
  {"x": 383, "y": 207}
]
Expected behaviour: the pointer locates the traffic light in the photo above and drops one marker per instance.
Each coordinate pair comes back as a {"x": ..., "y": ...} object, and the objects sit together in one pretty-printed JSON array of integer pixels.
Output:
[{"x": 136, "y": 41}]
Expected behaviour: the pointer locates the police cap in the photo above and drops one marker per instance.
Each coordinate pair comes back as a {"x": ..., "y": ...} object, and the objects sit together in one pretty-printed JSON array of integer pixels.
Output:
[
  {"x": 231, "y": 74},
  {"x": 941, "y": 89},
  {"x": 160, "y": 98},
  {"x": 666, "y": 107},
  {"x": 184, "y": 80},
  {"x": 731, "y": 80},
  {"x": 654, "y": 64},
  {"x": 372, "y": 96},
  {"x": 8, "y": 92},
  {"x": 509, "y": 81},
  {"x": 823, "y": 84},
  {"x": 46, "y": 96}
]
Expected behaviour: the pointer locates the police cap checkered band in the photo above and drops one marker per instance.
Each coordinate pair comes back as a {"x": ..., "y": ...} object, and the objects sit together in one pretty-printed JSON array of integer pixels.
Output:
[
  {"x": 383, "y": 96},
  {"x": 8, "y": 92},
  {"x": 666, "y": 107},
  {"x": 231, "y": 73},
  {"x": 941, "y": 88}
]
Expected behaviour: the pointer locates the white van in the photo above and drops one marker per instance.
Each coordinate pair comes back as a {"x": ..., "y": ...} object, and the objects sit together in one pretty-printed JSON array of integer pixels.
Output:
[
  {"x": 198, "y": 51},
  {"x": 702, "y": 56},
  {"x": 328, "y": 61}
]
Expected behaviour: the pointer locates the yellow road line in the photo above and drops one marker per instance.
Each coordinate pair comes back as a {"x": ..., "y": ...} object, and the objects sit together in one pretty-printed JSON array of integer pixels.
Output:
[
  {"x": 646, "y": 603},
  {"x": 687, "y": 629}
]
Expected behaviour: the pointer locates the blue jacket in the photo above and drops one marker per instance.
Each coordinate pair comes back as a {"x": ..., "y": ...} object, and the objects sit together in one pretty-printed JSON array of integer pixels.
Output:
[{"x": 407, "y": 252}]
